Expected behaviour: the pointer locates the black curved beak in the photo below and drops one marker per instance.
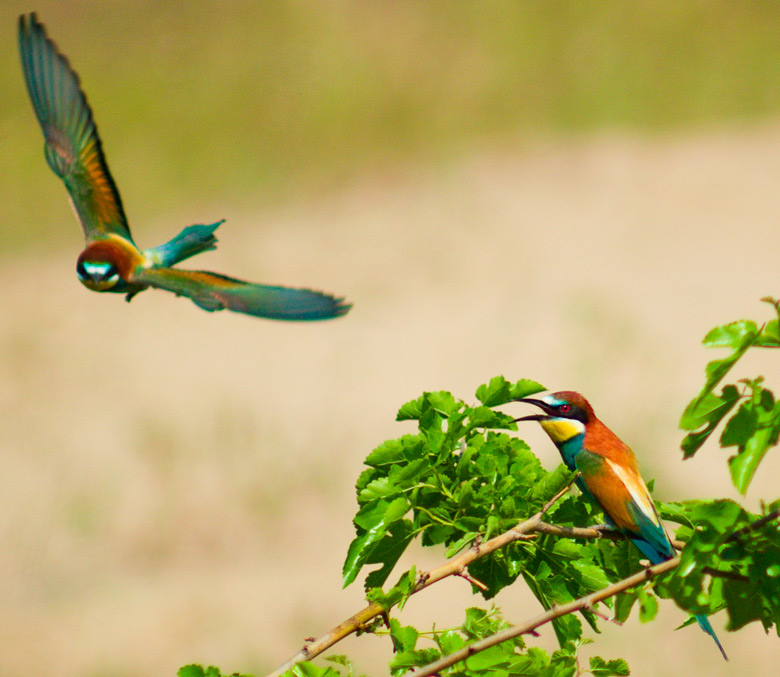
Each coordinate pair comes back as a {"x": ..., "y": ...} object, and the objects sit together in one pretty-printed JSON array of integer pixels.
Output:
[{"x": 534, "y": 417}]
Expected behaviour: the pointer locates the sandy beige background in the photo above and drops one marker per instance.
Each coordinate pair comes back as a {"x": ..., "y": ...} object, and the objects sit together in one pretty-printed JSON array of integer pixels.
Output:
[{"x": 177, "y": 486}]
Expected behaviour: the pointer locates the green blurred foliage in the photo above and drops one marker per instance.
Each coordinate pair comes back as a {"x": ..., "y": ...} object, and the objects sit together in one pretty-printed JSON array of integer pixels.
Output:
[{"x": 241, "y": 103}]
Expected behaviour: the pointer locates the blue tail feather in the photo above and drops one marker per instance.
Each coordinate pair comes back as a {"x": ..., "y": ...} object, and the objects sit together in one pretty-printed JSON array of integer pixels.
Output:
[
  {"x": 650, "y": 550},
  {"x": 192, "y": 240},
  {"x": 704, "y": 624}
]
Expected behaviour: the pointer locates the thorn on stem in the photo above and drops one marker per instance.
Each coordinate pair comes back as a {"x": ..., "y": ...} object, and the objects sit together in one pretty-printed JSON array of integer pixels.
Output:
[
  {"x": 422, "y": 579},
  {"x": 592, "y": 608},
  {"x": 477, "y": 584}
]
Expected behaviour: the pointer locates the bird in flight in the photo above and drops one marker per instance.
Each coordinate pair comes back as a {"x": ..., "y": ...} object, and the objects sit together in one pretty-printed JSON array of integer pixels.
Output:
[
  {"x": 111, "y": 261},
  {"x": 609, "y": 475}
]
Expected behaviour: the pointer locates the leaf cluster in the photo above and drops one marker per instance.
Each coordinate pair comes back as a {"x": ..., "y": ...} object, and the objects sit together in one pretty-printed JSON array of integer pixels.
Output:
[
  {"x": 454, "y": 481},
  {"x": 457, "y": 482},
  {"x": 731, "y": 560},
  {"x": 755, "y": 426},
  {"x": 508, "y": 658}
]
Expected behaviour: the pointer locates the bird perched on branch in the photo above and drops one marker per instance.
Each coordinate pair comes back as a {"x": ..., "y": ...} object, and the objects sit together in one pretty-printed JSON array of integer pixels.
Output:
[
  {"x": 609, "y": 475},
  {"x": 111, "y": 261}
]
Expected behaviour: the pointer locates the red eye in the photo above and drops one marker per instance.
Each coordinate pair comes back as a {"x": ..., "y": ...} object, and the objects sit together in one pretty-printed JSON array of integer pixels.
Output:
[{"x": 564, "y": 408}]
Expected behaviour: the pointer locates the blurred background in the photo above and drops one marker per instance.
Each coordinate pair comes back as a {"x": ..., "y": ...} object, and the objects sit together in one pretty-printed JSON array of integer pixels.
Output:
[{"x": 574, "y": 193}]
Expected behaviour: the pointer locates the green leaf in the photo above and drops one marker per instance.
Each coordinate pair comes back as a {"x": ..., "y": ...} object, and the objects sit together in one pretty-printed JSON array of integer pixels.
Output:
[
  {"x": 500, "y": 391},
  {"x": 388, "y": 551},
  {"x": 741, "y": 427},
  {"x": 673, "y": 512},
  {"x": 648, "y": 605},
  {"x": 623, "y": 605},
  {"x": 213, "y": 671},
  {"x": 495, "y": 655},
  {"x": 753, "y": 429},
  {"x": 733, "y": 335},
  {"x": 376, "y": 515},
  {"x": 449, "y": 641},
  {"x": 705, "y": 408},
  {"x": 615, "y": 668},
  {"x": 404, "y": 636},
  {"x": 524, "y": 388},
  {"x": 191, "y": 671},
  {"x": 461, "y": 543},
  {"x": 389, "y": 452},
  {"x": 494, "y": 393},
  {"x": 381, "y": 487},
  {"x": 411, "y": 411},
  {"x": 706, "y": 411},
  {"x": 372, "y": 522},
  {"x": 306, "y": 669},
  {"x": 402, "y": 662}
]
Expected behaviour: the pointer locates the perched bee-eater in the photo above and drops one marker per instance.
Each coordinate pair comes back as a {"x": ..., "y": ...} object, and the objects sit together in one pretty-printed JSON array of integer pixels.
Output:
[
  {"x": 111, "y": 262},
  {"x": 609, "y": 475}
]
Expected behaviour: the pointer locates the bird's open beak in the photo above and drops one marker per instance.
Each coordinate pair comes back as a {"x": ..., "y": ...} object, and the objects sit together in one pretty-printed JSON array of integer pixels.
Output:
[{"x": 533, "y": 417}]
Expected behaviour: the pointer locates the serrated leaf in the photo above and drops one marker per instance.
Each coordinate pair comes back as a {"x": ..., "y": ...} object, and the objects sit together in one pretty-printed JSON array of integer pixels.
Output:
[
  {"x": 484, "y": 417},
  {"x": 381, "y": 487},
  {"x": 387, "y": 453},
  {"x": 495, "y": 655},
  {"x": 461, "y": 543},
  {"x": 449, "y": 641},
  {"x": 614, "y": 668},
  {"x": 411, "y": 411},
  {"x": 494, "y": 393},
  {"x": 731, "y": 335},
  {"x": 674, "y": 512},
  {"x": 191, "y": 671},
  {"x": 306, "y": 669},
  {"x": 524, "y": 388},
  {"x": 404, "y": 661},
  {"x": 404, "y": 636}
]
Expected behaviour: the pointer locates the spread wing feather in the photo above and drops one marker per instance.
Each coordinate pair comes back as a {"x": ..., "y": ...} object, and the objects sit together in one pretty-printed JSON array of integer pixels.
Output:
[
  {"x": 212, "y": 291},
  {"x": 72, "y": 148}
]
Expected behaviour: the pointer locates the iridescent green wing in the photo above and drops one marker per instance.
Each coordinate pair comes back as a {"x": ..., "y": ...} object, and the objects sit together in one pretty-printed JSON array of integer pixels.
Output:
[
  {"x": 72, "y": 147},
  {"x": 212, "y": 291}
]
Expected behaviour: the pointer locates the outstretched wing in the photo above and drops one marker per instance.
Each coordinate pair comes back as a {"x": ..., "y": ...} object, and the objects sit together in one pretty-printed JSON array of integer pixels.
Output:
[
  {"x": 212, "y": 291},
  {"x": 72, "y": 147}
]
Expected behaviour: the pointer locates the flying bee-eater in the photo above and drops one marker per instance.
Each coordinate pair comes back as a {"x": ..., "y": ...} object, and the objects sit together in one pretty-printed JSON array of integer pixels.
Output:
[
  {"x": 111, "y": 261},
  {"x": 608, "y": 475}
]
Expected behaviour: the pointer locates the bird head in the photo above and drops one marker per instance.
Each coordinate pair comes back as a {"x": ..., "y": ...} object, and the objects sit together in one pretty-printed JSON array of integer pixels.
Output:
[
  {"x": 566, "y": 414},
  {"x": 97, "y": 272}
]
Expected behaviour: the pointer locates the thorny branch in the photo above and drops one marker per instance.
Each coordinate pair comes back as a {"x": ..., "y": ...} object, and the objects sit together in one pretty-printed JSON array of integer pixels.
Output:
[
  {"x": 586, "y": 602},
  {"x": 455, "y": 566}
]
